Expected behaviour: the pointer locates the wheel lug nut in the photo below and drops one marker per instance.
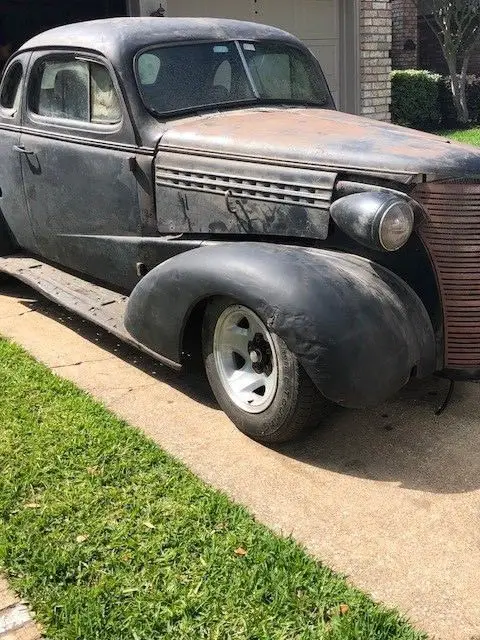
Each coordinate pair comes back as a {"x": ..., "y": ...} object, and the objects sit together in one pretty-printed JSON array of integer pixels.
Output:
[{"x": 255, "y": 356}]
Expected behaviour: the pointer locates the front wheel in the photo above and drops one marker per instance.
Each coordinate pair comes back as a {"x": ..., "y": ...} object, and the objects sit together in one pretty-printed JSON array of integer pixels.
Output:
[{"x": 256, "y": 379}]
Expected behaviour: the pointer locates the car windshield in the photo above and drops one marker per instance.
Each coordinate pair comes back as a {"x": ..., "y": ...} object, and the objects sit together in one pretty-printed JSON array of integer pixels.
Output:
[{"x": 196, "y": 76}]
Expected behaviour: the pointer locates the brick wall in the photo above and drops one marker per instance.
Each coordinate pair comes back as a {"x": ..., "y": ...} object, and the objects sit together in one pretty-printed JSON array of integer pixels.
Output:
[
  {"x": 375, "y": 62},
  {"x": 404, "y": 34}
]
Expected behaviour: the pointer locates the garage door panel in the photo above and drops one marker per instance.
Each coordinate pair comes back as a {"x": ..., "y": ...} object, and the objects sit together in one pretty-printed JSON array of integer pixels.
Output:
[
  {"x": 278, "y": 14},
  {"x": 327, "y": 51},
  {"x": 316, "y": 19},
  {"x": 236, "y": 9}
]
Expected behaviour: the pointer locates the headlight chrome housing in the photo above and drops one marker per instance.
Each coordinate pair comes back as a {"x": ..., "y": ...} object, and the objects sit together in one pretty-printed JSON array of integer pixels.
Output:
[{"x": 376, "y": 219}]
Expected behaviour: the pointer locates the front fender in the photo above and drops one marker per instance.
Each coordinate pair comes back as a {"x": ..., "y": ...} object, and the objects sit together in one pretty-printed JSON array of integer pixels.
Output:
[{"x": 356, "y": 327}]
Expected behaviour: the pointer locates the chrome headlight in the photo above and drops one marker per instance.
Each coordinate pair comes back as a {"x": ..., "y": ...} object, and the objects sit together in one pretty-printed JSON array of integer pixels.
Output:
[{"x": 377, "y": 219}]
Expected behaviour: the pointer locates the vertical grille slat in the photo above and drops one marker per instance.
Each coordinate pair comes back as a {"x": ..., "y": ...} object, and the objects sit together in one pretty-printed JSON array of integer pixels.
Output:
[{"x": 451, "y": 235}]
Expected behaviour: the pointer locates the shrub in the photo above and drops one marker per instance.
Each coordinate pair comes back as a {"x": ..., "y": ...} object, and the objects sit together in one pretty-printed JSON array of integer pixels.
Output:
[
  {"x": 473, "y": 97},
  {"x": 423, "y": 100},
  {"x": 447, "y": 108},
  {"x": 448, "y": 113},
  {"x": 415, "y": 98}
]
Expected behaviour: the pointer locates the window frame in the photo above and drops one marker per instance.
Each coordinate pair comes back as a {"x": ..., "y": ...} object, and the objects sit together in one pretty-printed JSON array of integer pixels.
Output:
[
  {"x": 11, "y": 112},
  {"x": 69, "y": 123}
]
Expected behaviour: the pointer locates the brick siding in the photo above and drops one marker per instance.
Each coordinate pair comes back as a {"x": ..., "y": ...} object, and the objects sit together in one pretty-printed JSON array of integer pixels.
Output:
[
  {"x": 375, "y": 62},
  {"x": 404, "y": 34}
]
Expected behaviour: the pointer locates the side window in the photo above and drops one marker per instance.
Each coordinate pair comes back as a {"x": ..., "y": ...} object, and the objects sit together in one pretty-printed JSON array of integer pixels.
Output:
[
  {"x": 10, "y": 91},
  {"x": 74, "y": 90},
  {"x": 61, "y": 90},
  {"x": 104, "y": 104}
]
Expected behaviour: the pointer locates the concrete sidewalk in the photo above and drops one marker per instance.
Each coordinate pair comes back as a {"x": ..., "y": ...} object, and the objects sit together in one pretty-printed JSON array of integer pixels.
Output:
[
  {"x": 15, "y": 620},
  {"x": 390, "y": 497}
]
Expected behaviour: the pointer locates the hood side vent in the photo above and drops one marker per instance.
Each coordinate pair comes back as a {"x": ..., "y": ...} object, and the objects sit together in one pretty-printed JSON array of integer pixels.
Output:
[
  {"x": 205, "y": 195},
  {"x": 244, "y": 187}
]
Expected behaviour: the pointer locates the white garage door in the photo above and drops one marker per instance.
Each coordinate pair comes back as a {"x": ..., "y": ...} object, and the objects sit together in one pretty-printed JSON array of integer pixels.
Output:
[
  {"x": 316, "y": 22},
  {"x": 237, "y": 9}
]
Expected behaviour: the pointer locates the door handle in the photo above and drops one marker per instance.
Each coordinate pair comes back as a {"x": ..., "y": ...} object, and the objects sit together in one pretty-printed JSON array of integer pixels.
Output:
[{"x": 21, "y": 149}]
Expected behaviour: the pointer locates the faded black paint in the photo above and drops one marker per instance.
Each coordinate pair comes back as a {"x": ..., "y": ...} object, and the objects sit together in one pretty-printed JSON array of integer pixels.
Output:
[{"x": 358, "y": 329}]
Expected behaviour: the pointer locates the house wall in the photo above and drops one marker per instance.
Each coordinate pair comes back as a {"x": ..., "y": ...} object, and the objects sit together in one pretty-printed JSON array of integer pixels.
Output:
[
  {"x": 404, "y": 34},
  {"x": 375, "y": 61}
]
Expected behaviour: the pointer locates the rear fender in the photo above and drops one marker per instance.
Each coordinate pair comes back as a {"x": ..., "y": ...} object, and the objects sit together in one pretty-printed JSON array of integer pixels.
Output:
[{"x": 357, "y": 328}]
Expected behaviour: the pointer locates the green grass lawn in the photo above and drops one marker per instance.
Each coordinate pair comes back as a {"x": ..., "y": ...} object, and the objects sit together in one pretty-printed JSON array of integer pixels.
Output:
[
  {"x": 469, "y": 136},
  {"x": 110, "y": 538}
]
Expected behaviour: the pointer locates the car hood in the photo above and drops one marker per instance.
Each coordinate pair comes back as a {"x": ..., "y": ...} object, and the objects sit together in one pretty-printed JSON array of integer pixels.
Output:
[{"x": 322, "y": 138}]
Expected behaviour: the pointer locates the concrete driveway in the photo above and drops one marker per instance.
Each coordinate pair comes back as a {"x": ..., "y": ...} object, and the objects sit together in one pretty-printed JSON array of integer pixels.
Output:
[{"x": 389, "y": 497}]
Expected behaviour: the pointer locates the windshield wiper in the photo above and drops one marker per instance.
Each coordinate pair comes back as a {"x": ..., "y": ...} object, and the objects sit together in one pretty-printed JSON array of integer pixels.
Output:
[
  {"x": 247, "y": 102},
  {"x": 293, "y": 101}
]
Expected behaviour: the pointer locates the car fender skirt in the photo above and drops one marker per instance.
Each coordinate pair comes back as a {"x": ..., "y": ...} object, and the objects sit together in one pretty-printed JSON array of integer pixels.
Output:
[{"x": 357, "y": 328}]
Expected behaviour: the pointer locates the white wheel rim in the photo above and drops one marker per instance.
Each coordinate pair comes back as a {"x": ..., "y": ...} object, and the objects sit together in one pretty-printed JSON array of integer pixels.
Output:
[{"x": 246, "y": 359}]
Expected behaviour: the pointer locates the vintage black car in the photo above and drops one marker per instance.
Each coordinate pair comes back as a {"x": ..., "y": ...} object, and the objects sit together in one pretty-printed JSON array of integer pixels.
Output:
[{"x": 188, "y": 185}]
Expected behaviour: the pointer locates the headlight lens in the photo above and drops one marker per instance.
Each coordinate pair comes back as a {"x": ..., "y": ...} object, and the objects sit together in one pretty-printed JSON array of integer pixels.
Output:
[{"x": 396, "y": 225}]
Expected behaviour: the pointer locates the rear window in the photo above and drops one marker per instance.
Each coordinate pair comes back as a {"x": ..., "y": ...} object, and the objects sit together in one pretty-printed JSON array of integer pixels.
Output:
[{"x": 10, "y": 90}]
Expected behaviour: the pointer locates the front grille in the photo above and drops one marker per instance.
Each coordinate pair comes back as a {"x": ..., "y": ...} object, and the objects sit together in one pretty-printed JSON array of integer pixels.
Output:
[{"x": 451, "y": 235}]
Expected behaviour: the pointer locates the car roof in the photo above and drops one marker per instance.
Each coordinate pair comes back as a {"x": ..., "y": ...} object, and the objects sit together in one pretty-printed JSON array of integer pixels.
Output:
[{"x": 117, "y": 37}]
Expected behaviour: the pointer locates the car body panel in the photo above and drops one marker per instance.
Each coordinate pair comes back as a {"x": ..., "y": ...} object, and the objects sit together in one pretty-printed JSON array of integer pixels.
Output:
[
  {"x": 322, "y": 139},
  {"x": 13, "y": 205},
  {"x": 79, "y": 184},
  {"x": 207, "y": 195},
  {"x": 357, "y": 329}
]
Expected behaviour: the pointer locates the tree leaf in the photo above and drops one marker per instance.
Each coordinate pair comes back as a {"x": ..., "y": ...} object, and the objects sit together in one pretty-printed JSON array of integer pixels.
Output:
[{"x": 81, "y": 538}]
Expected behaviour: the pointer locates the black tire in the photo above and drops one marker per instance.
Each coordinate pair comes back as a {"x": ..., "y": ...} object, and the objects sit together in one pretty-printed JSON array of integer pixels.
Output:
[{"x": 297, "y": 405}]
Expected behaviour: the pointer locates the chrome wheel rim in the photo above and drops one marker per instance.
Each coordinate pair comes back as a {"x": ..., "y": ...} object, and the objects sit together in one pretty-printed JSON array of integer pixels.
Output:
[{"x": 246, "y": 359}]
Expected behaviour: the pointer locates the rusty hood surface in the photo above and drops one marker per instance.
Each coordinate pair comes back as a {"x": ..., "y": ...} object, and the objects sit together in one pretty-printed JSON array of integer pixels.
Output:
[{"x": 325, "y": 139}]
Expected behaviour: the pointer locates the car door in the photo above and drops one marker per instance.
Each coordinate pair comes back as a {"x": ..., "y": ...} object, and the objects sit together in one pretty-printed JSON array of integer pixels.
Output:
[
  {"x": 78, "y": 144},
  {"x": 13, "y": 206}
]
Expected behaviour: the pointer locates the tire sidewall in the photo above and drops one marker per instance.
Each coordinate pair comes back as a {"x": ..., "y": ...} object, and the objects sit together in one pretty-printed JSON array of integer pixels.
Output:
[{"x": 267, "y": 424}]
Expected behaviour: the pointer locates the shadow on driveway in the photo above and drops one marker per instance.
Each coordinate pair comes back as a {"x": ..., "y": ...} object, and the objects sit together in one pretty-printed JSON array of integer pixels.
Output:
[{"x": 401, "y": 441}]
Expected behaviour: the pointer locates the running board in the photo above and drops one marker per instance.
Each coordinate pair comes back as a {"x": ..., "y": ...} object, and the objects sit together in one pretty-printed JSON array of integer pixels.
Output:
[{"x": 101, "y": 306}]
